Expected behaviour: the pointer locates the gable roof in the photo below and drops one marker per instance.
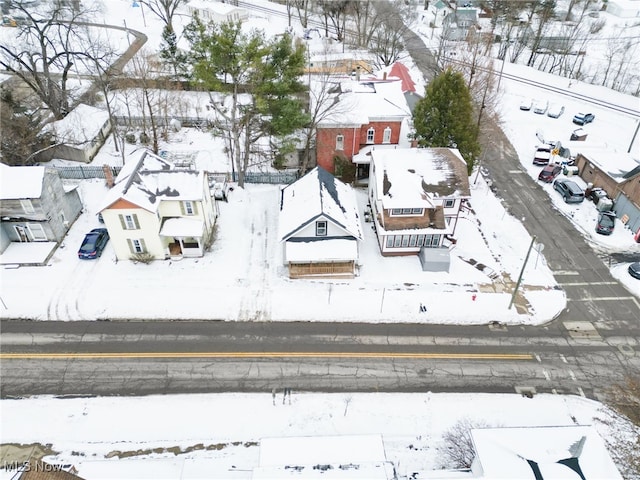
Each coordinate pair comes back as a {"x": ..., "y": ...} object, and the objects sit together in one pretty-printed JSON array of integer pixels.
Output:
[
  {"x": 151, "y": 179},
  {"x": 20, "y": 182},
  {"x": 401, "y": 71},
  {"x": 411, "y": 177},
  {"x": 543, "y": 452},
  {"x": 318, "y": 194},
  {"x": 40, "y": 470}
]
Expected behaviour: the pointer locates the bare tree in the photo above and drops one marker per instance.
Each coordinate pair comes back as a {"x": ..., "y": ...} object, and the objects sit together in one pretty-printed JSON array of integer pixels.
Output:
[
  {"x": 387, "y": 40},
  {"x": 456, "y": 449},
  {"x": 149, "y": 97},
  {"x": 545, "y": 10},
  {"x": 164, "y": 9},
  {"x": 336, "y": 12},
  {"x": 302, "y": 7},
  {"x": 47, "y": 45}
]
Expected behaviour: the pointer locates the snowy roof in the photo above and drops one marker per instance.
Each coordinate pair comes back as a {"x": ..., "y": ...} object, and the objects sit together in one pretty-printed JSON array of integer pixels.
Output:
[
  {"x": 616, "y": 165},
  {"x": 20, "y": 182},
  {"x": 543, "y": 452},
  {"x": 331, "y": 457},
  {"x": 416, "y": 175},
  {"x": 361, "y": 102},
  {"x": 401, "y": 71},
  {"x": 316, "y": 194},
  {"x": 182, "y": 227},
  {"x": 81, "y": 125},
  {"x": 326, "y": 250},
  {"x": 150, "y": 179}
]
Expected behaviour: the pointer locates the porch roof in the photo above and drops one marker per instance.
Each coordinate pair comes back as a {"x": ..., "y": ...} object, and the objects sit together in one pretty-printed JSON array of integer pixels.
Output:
[
  {"x": 182, "y": 227},
  {"x": 330, "y": 250}
]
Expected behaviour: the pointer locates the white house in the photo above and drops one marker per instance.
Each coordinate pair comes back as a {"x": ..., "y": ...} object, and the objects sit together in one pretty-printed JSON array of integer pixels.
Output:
[
  {"x": 218, "y": 12},
  {"x": 319, "y": 226},
  {"x": 415, "y": 196},
  {"x": 159, "y": 210}
]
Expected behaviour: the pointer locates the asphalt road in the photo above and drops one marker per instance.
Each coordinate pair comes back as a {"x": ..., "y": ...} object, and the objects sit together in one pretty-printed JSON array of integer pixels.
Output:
[{"x": 137, "y": 358}]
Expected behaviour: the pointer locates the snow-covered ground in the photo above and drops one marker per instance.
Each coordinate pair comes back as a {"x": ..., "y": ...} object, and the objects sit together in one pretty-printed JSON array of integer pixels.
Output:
[{"x": 214, "y": 435}]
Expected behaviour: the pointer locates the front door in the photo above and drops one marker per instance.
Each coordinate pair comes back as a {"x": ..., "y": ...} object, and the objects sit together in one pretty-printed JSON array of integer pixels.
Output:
[{"x": 22, "y": 233}]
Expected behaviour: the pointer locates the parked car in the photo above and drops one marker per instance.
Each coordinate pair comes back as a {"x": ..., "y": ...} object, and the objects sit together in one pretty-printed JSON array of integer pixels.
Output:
[
  {"x": 570, "y": 191},
  {"x": 606, "y": 223},
  {"x": 634, "y": 270},
  {"x": 540, "y": 107},
  {"x": 555, "y": 110},
  {"x": 93, "y": 243},
  {"x": 542, "y": 155},
  {"x": 549, "y": 173},
  {"x": 219, "y": 187},
  {"x": 583, "y": 118},
  {"x": 526, "y": 104}
]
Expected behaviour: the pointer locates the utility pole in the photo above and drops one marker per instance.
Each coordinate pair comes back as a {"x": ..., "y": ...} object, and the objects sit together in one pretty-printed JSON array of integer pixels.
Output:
[{"x": 515, "y": 290}]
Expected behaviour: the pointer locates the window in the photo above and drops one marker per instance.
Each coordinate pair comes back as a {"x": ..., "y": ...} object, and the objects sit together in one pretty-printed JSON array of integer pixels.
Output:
[
  {"x": 188, "y": 207},
  {"x": 416, "y": 211},
  {"x": 420, "y": 240},
  {"x": 405, "y": 240},
  {"x": 37, "y": 232},
  {"x": 321, "y": 229},
  {"x": 129, "y": 222},
  {"x": 395, "y": 212},
  {"x": 27, "y": 206},
  {"x": 389, "y": 241},
  {"x": 398, "y": 241},
  {"x": 137, "y": 245},
  {"x": 340, "y": 142},
  {"x": 413, "y": 240},
  {"x": 386, "y": 135},
  {"x": 406, "y": 211},
  {"x": 371, "y": 133},
  {"x": 449, "y": 203}
]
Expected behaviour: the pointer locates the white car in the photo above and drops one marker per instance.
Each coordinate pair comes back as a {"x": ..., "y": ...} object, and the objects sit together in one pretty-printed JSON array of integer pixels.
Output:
[
  {"x": 555, "y": 110},
  {"x": 526, "y": 104},
  {"x": 540, "y": 107}
]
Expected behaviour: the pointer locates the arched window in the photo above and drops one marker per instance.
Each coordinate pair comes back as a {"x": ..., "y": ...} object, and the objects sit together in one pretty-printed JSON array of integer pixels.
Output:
[
  {"x": 339, "y": 142},
  {"x": 386, "y": 136},
  {"x": 371, "y": 133}
]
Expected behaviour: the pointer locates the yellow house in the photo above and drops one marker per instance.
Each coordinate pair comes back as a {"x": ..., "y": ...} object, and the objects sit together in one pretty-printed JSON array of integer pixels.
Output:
[{"x": 157, "y": 210}]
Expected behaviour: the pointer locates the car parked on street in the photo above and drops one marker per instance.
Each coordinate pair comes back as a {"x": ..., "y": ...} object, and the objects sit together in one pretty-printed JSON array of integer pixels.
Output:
[
  {"x": 583, "y": 118},
  {"x": 540, "y": 107},
  {"x": 526, "y": 104},
  {"x": 542, "y": 155},
  {"x": 634, "y": 270},
  {"x": 549, "y": 173},
  {"x": 606, "y": 223},
  {"x": 570, "y": 191},
  {"x": 93, "y": 243},
  {"x": 555, "y": 110}
]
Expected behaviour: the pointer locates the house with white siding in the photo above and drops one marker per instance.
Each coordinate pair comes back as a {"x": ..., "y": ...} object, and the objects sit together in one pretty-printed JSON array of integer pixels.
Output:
[{"x": 157, "y": 210}]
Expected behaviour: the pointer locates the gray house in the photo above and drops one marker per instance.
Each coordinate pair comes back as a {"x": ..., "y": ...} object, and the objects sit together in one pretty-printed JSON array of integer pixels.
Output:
[{"x": 35, "y": 207}]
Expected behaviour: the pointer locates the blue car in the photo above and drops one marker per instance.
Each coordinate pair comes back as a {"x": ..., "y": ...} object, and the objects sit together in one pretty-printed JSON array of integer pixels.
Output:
[{"x": 93, "y": 243}]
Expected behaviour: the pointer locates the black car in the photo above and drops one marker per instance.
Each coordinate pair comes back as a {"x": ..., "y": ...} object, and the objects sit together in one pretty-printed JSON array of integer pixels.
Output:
[
  {"x": 634, "y": 270},
  {"x": 93, "y": 243},
  {"x": 606, "y": 223},
  {"x": 549, "y": 173},
  {"x": 583, "y": 118}
]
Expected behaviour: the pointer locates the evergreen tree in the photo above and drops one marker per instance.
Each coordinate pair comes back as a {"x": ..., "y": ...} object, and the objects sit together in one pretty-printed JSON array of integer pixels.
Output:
[
  {"x": 230, "y": 63},
  {"x": 170, "y": 54},
  {"x": 444, "y": 117}
]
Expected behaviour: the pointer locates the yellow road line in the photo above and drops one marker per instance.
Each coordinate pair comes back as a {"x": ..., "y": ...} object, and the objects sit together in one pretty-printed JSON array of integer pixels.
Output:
[{"x": 232, "y": 355}]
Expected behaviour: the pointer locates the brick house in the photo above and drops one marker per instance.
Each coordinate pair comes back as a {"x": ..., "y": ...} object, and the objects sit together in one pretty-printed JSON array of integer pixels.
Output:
[{"x": 366, "y": 113}]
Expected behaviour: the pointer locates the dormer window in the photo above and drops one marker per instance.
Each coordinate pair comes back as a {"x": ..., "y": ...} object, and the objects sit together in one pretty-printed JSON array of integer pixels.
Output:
[
  {"x": 321, "y": 228},
  {"x": 449, "y": 203}
]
